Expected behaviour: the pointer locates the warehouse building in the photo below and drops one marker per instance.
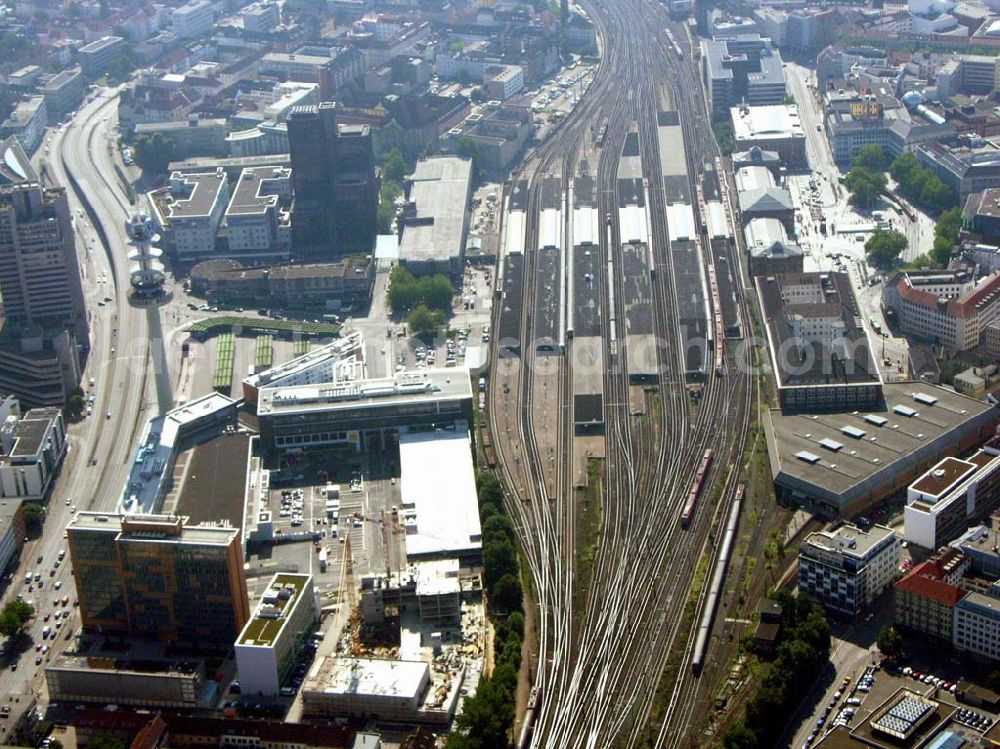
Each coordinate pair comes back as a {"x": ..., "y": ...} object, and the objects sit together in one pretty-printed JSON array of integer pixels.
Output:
[
  {"x": 848, "y": 461},
  {"x": 847, "y": 568}
]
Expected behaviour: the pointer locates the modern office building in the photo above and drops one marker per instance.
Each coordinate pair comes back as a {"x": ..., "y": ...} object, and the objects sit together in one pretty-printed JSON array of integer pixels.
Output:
[
  {"x": 27, "y": 122},
  {"x": 189, "y": 212},
  {"x": 260, "y": 17},
  {"x": 743, "y": 69},
  {"x": 39, "y": 273},
  {"x": 847, "y": 568},
  {"x": 12, "y": 530},
  {"x": 334, "y": 183},
  {"x": 953, "y": 495},
  {"x": 952, "y": 315},
  {"x": 270, "y": 643},
  {"x": 32, "y": 448},
  {"x": 258, "y": 216},
  {"x": 435, "y": 219},
  {"x": 977, "y": 625},
  {"x": 356, "y": 687},
  {"x": 64, "y": 91},
  {"x": 99, "y": 54},
  {"x": 193, "y": 19},
  {"x": 156, "y": 576}
]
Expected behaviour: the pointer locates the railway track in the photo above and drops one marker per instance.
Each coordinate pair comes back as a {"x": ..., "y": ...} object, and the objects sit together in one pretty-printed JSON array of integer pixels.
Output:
[{"x": 600, "y": 670}]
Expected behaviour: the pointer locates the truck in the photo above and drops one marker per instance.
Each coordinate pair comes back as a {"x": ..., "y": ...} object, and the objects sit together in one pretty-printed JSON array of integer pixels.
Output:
[{"x": 322, "y": 559}]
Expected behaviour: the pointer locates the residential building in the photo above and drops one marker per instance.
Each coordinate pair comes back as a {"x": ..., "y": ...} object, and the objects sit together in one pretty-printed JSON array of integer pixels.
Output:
[
  {"x": 193, "y": 19},
  {"x": 991, "y": 340},
  {"x": 771, "y": 128},
  {"x": 157, "y": 576},
  {"x": 190, "y": 210},
  {"x": 847, "y": 568},
  {"x": 500, "y": 135},
  {"x": 39, "y": 273},
  {"x": 64, "y": 91},
  {"x": 294, "y": 66},
  {"x": 925, "y": 598},
  {"x": 334, "y": 182},
  {"x": 344, "y": 66},
  {"x": 258, "y": 216},
  {"x": 270, "y": 643},
  {"x": 977, "y": 625},
  {"x": 32, "y": 448},
  {"x": 957, "y": 322},
  {"x": 27, "y": 122},
  {"x": 981, "y": 546},
  {"x": 98, "y": 55},
  {"x": 435, "y": 219}
]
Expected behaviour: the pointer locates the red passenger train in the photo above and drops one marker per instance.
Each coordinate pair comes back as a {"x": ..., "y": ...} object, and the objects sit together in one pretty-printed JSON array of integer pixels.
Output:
[{"x": 696, "y": 488}]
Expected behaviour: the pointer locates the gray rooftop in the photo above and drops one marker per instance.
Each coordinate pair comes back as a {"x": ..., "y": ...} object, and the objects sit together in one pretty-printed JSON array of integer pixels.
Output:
[
  {"x": 439, "y": 189},
  {"x": 205, "y": 190},
  {"x": 257, "y": 190},
  {"x": 893, "y": 444}
]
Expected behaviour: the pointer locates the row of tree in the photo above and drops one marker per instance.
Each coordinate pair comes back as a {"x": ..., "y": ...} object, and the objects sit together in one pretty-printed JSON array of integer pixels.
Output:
[
  {"x": 154, "y": 152},
  {"x": 394, "y": 170},
  {"x": 487, "y": 718},
  {"x": 803, "y": 652},
  {"x": 866, "y": 181},
  {"x": 921, "y": 186},
  {"x": 426, "y": 301}
]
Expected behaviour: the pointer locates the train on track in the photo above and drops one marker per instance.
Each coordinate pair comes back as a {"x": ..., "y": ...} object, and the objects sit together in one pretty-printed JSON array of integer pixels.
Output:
[
  {"x": 718, "y": 578},
  {"x": 601, "y": 133},
  {"x": 673, "y": 43},
  {"x": 530, "y": 715},
  {"x": 687, "y": 514}
]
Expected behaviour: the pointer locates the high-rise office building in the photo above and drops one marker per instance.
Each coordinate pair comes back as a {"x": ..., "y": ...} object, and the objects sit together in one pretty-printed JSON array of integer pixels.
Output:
[
  {"x": 334, "y": 184},
  {"x": 39, "y": 273},
  {"x": 157, "y": 576},
  {"x": 45, "y": 322}
]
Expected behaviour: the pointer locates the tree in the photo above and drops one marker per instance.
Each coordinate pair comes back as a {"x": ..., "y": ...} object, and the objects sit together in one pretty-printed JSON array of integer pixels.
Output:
[
  {"x": 507, "y": 594},
  {"x": 394, "y": 166},
  {"x": 402, "y": 290},
  {"x": 723, "y": 131},
  {"x": 870, "y": 157},
  {"x": 890, "y": 642},
  {"x": 946, "y": 234},
  {"x": 154, "y": 153},
  {"x": 55, "y": 744},
  {"x": 884, "y": 248},
  {"x": 499, "y": 559},
  {"x": 105, "y": 741},
  {"x": 34, "y": 516},
  {"x": 865, "y": 187},
  {"x": 902, "y": 166},
  {"x": 75, "y": 405},
  {"x": 424, "y": 323},
  {"x": 13, "y": 618},
  {"x": 436, "y": 292}
]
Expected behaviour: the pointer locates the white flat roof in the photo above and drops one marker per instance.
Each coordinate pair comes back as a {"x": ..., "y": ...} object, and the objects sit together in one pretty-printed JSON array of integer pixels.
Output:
[
  {"x": 550, "y": 228},
  {"x": 374, "y": 678},
  {"x": 438, "y": 488},
  {"x": 586, "y": 225},
  {"x": 680, "y": 223},
  {"x": 513, "y": 233},
  {"x": 632, "y": 224}
]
